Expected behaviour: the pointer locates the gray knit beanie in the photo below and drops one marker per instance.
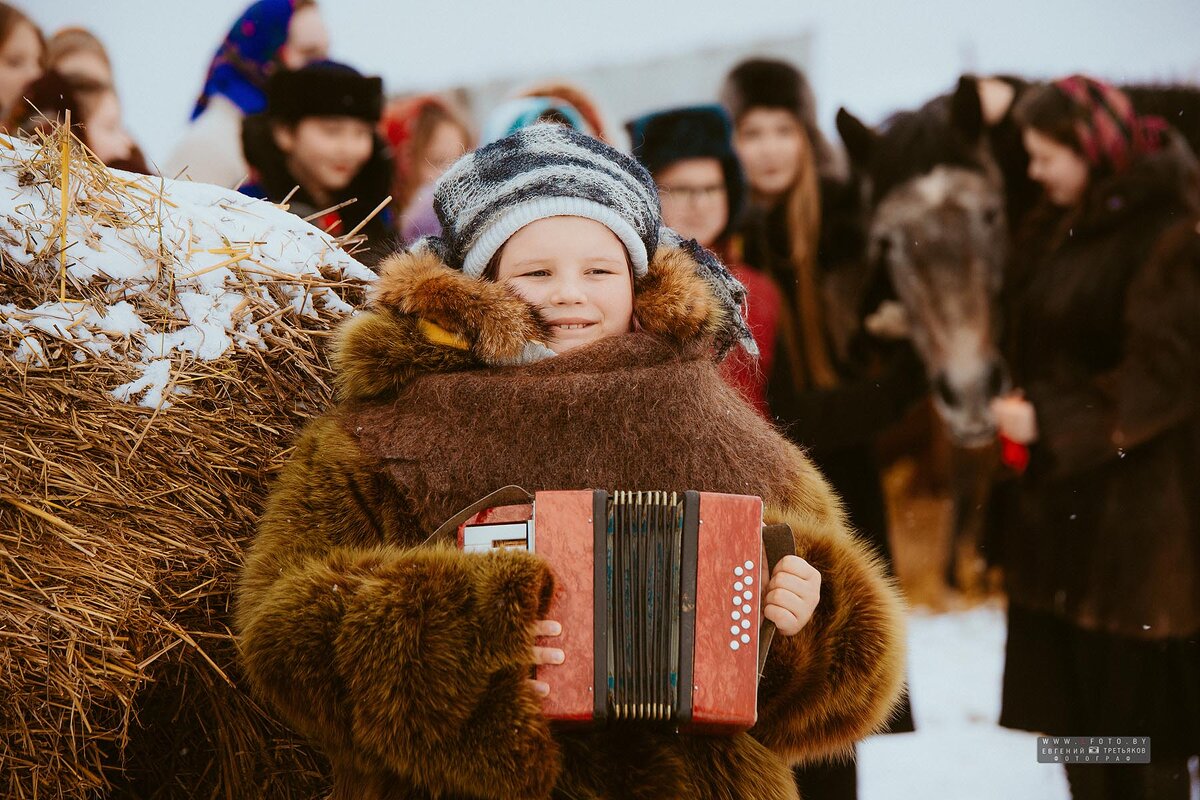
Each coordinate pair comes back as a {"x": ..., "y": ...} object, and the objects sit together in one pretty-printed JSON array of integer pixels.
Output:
[
  {"x": 538, "y": 172},
  {"x": 550, "y": 171}
]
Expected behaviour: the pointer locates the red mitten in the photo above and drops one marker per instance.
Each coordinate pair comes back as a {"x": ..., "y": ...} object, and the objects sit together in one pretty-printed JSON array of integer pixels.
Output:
[{"x": 1014, "y": 455}]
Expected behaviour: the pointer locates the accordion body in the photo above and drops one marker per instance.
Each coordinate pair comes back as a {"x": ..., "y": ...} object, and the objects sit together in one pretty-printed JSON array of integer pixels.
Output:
[{"x": 658, "y": 594}]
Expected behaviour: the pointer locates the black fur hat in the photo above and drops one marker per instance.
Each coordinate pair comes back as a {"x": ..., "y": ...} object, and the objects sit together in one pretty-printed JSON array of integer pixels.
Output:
[
  {"x": 662, "y": 138},
  {"x": 324, "y": 89},
  {"x": 770, "y": 83}
]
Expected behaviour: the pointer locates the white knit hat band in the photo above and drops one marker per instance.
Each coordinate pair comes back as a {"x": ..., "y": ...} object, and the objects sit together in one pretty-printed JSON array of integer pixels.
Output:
[{"x": 512, "y": 219}]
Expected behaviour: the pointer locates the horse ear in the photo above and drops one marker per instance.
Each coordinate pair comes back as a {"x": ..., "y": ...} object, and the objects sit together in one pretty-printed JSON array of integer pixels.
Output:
[
  {"x": 858, "y": 137},
  {"x": 966, "y": 110}
]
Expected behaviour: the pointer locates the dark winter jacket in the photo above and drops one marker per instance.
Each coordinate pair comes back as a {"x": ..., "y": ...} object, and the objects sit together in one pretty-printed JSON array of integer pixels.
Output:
[
  {"x": 271, "y": 180},
  {"x": 1105, "y": 531},
  {"x": 879, "y": 380},
  {"x": 406, "y": 661}
]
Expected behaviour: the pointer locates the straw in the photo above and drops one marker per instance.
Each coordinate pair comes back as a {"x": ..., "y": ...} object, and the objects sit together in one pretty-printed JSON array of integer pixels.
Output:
[
  {"x": 123, "y": 528},
  {"x": 65, "y": 135}
]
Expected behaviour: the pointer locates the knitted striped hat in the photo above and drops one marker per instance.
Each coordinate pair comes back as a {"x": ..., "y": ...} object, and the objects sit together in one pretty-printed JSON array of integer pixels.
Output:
[{"x": 538, "y": 172}]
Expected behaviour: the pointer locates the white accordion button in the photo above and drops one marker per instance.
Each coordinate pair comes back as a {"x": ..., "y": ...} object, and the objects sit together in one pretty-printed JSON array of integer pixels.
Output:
[
  {"x": 734, "y": 628},
  {"x": 736, "y": 599},
  {"x": 746, "y": 608},
  {"x": 739, "y": 571},
  {"x": 749, "y": 565},
  {"x": 745, "y": 638},
  {"x": 737, "y": 587},
  {"x": 746, "y": 624},
  {"x": 737, "y": 615},
  {"x": 749, "y": 580},
  {"x": 748, "y": 595},
  {"x": 734, "y": 645}
]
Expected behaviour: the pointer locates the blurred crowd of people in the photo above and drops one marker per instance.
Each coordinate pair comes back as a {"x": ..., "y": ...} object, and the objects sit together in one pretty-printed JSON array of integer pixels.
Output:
[
  {"x": 1102, "y": 305},
  {"x": 41, "y": 80}
]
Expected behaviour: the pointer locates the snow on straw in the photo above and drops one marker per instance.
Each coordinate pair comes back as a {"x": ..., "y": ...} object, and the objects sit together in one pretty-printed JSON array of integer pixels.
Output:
[{"x": 156, "y": 270}]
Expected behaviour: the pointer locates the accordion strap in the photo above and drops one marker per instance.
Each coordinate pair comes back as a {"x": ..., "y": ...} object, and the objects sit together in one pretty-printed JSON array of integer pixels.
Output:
[
  {"x": 777, "y": 542},
  {"x": 511, "y": 495}
]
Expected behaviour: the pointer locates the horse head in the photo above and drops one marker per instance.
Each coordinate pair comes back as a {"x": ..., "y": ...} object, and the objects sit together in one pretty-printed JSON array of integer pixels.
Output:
[{"x": 936, "y": 223}]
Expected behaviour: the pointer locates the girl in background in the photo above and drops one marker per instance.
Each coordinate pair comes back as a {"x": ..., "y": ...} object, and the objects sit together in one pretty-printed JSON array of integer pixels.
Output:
[
  {"x": 318, "y": 138},
  {"x": 427, "y": 134},
  {"x": 80, "y": 58},
  {"x": 690, "y": 154},
  {"x": 270, "y": 35},
  {"x": 95, "y": 117},
  {"x": 22, "y": 56},
  {"x": 834, "y": 402}
]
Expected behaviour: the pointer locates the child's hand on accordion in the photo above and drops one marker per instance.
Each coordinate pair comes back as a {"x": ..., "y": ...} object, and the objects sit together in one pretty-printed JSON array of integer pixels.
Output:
[
  {"x": 546, "y": 655},
  {"x": 792, "y": 595}
]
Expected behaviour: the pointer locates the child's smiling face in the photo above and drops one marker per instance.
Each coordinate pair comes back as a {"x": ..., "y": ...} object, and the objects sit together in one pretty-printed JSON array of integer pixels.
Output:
[{"x": 577, "y": 272}]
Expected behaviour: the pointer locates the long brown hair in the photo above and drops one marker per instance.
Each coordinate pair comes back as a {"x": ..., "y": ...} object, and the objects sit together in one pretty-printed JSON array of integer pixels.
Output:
[
  {"x": 802, "y": 325},
  {"x": 804, "y": 234}
]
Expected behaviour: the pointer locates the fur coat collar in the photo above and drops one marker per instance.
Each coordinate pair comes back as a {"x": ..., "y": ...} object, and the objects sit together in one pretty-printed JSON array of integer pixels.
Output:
[{"x": 427, "y": 317}]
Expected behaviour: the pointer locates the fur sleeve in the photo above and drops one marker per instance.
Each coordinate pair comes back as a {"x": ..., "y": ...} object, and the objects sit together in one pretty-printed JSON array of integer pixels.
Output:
[
  {"x": 402, "y": 659},
  {"x": 839, "y": 679}
]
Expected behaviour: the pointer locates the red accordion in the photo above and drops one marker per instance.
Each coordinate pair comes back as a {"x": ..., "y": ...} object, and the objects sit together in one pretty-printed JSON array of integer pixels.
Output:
[{"x": 658, "y": 594}]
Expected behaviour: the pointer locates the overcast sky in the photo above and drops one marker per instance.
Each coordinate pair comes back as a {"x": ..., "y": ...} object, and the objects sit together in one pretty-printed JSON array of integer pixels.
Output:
[{"x": 874, "y": 57}]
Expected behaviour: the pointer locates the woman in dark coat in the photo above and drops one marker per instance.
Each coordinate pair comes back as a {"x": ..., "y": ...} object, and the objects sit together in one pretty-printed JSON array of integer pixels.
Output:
[
  {"x": 1102, "y": 553},
  {"x": 832, "y": 389}
]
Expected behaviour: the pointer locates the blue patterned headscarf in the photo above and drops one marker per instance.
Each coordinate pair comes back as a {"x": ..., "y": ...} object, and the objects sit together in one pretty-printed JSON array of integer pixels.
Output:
[{"x": 246, "y": 58}]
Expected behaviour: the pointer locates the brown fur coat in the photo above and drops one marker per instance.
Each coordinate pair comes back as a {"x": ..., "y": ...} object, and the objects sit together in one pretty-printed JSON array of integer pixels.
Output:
[
  {"x": 1104, "y": 529},
  {"x": 405, "y": 660}
]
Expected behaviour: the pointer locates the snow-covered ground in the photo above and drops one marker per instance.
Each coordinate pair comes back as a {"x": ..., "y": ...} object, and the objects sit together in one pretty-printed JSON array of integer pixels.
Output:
[{"x": 956, "y": 661}]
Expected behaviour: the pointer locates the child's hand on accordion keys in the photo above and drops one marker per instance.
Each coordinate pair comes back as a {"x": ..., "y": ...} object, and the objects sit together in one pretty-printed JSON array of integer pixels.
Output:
[
  {"x": 792, "y": 595},
  {"x": 546, "y": 655}
]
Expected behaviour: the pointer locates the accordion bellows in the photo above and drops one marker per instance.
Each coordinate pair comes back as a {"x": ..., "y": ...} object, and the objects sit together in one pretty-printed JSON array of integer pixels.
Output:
[{"x": 658, "y": 594}]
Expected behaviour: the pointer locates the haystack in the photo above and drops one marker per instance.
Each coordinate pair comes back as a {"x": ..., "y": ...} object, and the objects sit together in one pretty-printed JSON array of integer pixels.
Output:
[{"x": 161, "y": 343}]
